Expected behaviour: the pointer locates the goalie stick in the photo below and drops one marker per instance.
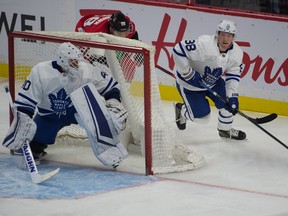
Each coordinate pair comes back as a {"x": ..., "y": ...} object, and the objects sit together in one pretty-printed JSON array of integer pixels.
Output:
[
  {"x": 261, "y": 120},
  {"x": 254, "y": 121},
  {"x": 30, "y": 162}
]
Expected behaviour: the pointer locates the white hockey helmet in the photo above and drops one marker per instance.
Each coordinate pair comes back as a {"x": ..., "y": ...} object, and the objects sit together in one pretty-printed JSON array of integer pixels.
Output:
[
  {"x": 68, "y": 57},
  {"x": 227, "y": 26}
]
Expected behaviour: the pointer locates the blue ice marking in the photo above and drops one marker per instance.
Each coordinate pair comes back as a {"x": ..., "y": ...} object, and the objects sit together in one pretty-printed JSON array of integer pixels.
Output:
[{"x": 71, "y": 182}]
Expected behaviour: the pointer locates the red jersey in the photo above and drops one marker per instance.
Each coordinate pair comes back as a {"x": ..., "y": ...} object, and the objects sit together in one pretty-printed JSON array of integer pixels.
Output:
[{"x": 100, "y": 23}]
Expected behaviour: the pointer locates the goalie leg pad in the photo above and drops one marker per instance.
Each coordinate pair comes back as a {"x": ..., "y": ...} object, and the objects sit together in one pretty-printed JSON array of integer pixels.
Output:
[
  {"x": 19, "y": 160},
  {"x": 93, "y": 115},
  {"x": 113, "y": 156}
]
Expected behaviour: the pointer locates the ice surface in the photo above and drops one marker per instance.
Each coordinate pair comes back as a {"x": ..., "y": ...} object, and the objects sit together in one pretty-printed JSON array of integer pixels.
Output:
[{"x": 240, "y": 178}]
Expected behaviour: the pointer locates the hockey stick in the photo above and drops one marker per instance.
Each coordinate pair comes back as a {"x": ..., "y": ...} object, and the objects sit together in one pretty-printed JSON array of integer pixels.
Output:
[
  {"x": 30, "y": 162},
  {"x": 260, "y": 120},
  {"x": 254, "y": 121}
]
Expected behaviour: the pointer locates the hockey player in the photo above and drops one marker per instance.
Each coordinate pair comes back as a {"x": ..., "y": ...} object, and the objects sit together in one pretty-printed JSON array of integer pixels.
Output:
[
  {"x": 117, "y": 24},
  {"x": 216, "y": 62},
  {"x": 63, "y": 92}
]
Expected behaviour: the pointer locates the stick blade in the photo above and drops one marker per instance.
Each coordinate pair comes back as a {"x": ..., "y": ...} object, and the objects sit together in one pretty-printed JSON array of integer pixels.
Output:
[
  {"x": 37, "y": 178},
  {"x": 267, "y": 118}
]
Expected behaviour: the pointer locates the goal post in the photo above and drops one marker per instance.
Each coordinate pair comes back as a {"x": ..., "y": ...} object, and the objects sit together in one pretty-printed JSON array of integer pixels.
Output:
[{"x": 131, "y": 63}]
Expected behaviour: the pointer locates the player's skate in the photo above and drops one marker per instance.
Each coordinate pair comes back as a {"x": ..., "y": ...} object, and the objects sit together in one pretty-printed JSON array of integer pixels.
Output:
[
  {"x": 232, "y": 134},
  {"x": 180, "y": 120}
]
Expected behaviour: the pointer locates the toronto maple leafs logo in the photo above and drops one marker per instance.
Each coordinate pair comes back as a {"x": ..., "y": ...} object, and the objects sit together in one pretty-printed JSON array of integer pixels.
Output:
[
  {"x": 228, "y": 27},
  {"x": 60, "y": 102},
  {"x": 211, "y": 76}
]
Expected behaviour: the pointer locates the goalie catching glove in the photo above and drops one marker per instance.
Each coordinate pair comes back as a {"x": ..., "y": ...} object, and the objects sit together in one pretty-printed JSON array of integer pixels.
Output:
[
  {"x": 22, "y": 128},
  {"x": 118, "y": 114}
]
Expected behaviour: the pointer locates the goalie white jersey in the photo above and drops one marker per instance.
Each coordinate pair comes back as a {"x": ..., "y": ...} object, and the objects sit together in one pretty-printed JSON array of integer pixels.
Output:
[
  {"x": 49, "y": 90},
  {"x": 203, "y": 56}
]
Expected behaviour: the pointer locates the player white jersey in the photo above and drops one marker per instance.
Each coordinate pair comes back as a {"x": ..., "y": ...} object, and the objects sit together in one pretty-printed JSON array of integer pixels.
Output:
[
  {"x": 49, "y": 90},
  {"x": 203, "y": 56}
]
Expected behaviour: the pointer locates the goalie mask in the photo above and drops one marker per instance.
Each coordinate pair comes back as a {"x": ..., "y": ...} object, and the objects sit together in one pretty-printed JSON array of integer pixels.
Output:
[
  {"x": 227, "y": 26},
  {"x": 68, "y": 57}
]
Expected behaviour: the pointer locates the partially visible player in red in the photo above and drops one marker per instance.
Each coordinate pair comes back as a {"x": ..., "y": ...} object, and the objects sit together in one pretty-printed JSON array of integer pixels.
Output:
[{"x": 117, "y": 24}]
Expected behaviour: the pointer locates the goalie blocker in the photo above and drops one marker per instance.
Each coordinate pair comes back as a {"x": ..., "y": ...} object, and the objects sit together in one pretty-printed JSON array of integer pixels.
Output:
[
  {"x": 101, "y": 124},
  {"x": 22, "y": 128}
]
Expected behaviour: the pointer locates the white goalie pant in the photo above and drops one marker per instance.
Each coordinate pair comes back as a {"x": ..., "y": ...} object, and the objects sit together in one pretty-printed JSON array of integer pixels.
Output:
[{"x": 93, "y": 115}]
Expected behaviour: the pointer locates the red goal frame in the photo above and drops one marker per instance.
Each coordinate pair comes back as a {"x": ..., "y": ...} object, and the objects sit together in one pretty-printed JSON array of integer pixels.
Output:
[{"x": 147, "y": 77}]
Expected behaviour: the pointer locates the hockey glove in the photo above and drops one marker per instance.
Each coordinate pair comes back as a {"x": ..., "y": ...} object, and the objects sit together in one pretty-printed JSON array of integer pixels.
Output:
[
  {"x": 22, "y": 128},
  {"x": 118, "y": 114},
  {"x": 193, "y": 78},
  {"x": 233, "y": 105}
]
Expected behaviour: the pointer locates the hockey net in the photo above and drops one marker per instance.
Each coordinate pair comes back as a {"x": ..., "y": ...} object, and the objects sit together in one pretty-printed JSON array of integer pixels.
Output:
[{"x": 131, "y": 62}]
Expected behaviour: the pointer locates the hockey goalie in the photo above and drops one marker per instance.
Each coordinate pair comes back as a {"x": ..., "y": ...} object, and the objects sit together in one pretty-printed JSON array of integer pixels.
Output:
[{"x": 68, "y": 91}]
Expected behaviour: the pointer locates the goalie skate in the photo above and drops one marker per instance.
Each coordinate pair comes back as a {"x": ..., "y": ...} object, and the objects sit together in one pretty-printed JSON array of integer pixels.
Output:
[{"x": 19, "y": 160}]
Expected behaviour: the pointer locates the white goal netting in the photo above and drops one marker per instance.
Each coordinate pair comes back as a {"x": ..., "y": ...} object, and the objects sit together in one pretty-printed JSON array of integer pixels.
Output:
[{"x": 128, "y": 63}]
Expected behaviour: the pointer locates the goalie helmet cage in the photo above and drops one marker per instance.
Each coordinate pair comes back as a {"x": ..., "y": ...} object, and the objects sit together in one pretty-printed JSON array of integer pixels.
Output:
[{"x": 131, "y": 63}]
